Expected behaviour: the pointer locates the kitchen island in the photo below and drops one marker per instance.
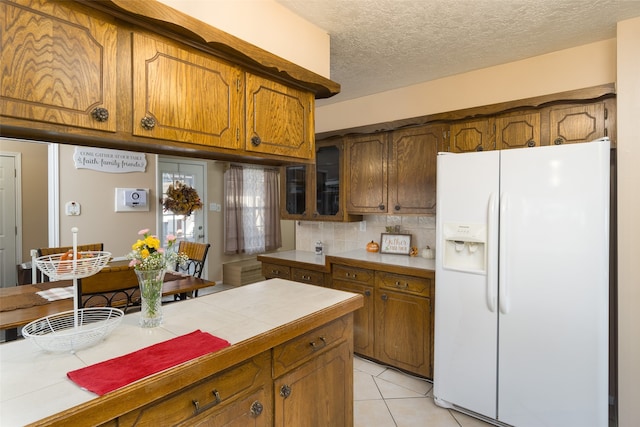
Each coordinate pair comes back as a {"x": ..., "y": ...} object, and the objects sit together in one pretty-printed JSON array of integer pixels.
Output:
[{"x": 284, "y": 336}]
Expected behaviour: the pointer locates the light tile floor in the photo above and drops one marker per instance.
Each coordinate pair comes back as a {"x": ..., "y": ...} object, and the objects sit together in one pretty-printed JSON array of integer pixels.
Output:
[{"x": 385, "y": 397}]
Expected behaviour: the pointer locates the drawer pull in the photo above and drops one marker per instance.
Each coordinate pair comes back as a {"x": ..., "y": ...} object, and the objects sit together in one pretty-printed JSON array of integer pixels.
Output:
[
  {"x": 315, "y": 346},
  {"x": 256, "y": 409},
  {"x": 285, "y": 391},
  {"x": 353, "y": 276},
  {"x": 217, "y": 400},
  {"x": 306, "y": 277},
  {"x": 402, "y": 285}
]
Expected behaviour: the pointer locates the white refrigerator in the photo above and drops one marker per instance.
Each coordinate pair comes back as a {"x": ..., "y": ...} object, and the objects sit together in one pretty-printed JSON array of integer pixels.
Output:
[{"x": 522, "y": 285}]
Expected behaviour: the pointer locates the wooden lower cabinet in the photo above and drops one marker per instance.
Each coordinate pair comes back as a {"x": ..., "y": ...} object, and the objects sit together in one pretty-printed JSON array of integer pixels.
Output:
[
  {"x": 317, "y": 393},
  {"x": 403, "y": 331},
  {"x": 363, "y": 331},
  {"x": 311, "y": 274},
  {"x": 395, "y": 325}
]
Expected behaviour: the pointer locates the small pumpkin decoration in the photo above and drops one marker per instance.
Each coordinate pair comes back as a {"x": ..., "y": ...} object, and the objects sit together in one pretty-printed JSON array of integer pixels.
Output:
[
  {"x": 373, "y": 246},
  {"x": 414, "y": 251}
]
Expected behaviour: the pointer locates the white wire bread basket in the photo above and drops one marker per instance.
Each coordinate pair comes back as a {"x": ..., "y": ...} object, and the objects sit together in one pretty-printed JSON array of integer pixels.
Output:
[
  {"x": 73, "y": 330},
  {"x": 87, "y": 264}
]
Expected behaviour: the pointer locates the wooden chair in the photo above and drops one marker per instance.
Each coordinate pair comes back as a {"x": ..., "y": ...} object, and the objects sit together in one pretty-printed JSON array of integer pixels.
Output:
[
  {"x": 113, "y": 286},
  {"x": 63, "y": 249},
  {"x": 197, "y": 253}
]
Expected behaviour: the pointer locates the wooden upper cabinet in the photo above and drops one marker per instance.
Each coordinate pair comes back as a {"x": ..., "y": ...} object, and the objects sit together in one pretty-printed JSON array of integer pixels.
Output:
[
  {"x": 518, "y": 130},
  {"x": 279, "y": 119},
  {"x": 367, "y": 158},
  {"x": 58, "y": 64},
  {"x": 473, "y": 135},
  {"x": 412, "y": 169},
  {"x": 180, "y": 94},
  {"x": 578, "y": 123}
]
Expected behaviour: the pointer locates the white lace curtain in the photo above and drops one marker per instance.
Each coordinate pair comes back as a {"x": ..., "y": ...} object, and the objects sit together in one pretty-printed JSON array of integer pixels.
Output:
[{"x": 252, "y": 210}]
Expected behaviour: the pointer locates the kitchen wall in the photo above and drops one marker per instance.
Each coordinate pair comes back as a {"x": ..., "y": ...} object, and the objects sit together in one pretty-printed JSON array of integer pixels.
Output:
[
  {"x": 94, "y": 191},
  {"x": 628, "y": 49},
  {"x": 340, "y": 237},
  {"x": 580, "y": 67},
  {"x": 34, "y": 191}
]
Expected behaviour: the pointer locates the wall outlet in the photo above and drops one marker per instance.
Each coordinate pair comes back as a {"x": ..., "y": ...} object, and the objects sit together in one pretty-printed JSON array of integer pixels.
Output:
[{"x": 363, "y": 225}]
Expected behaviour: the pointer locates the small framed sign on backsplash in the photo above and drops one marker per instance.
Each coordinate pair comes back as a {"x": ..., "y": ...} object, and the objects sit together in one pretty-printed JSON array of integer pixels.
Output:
[{"x": 395, "y": 244}]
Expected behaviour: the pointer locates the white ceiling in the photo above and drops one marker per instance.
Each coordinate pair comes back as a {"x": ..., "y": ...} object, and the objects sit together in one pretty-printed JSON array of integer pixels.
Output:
[{"x": 378, "y": 45}]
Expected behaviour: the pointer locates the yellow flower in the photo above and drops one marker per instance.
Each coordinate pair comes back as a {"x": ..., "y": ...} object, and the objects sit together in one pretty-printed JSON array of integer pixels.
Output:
[{"x": 144, "y": 253}]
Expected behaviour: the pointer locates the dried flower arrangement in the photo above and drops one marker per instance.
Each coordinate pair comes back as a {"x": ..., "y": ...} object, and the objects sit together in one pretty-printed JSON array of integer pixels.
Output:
[{"x": 181, "y": 199}]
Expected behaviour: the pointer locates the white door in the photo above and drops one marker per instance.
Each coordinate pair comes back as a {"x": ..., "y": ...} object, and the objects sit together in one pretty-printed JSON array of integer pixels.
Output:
[
  {"x": 189, "y": 228},
  {"x": 8, "y": 221},
  {"x": 554, "y": 285},
  {"x": 466, "y": 319}
]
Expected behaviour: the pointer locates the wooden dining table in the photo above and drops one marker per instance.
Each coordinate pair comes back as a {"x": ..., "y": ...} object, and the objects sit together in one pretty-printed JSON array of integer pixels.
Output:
[{"x": 33, "y": 306}]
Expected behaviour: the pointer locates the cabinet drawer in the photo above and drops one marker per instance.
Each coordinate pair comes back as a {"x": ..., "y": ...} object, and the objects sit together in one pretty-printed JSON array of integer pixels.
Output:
[
  {"x": 307, "y": 276},
  {"x": 354, "y": 274},
  {"x": 400, "y": 282},
  {"x": 271, "y": 271},
  {"x": 217, "y": 390},
  {"x": 295, "y": 352}
]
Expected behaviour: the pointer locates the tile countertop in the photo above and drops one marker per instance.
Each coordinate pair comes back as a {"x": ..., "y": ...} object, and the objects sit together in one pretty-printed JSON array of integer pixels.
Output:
[
  {"x": 34, "y": 385},
  {"x": 358, "y": 255}
]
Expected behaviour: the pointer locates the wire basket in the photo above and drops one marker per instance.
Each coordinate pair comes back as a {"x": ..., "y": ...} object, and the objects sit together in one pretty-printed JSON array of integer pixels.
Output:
[
  {"x": 87, "y": 264},
  {"x": 73, "y": 330}
]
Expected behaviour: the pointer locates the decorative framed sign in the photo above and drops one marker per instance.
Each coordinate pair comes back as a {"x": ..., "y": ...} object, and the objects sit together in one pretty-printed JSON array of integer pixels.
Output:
[{"x": 395, "y": 244}]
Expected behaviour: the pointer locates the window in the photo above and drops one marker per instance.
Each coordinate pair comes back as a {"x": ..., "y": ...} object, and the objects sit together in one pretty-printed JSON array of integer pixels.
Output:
[{"x": 252, "y": 207}]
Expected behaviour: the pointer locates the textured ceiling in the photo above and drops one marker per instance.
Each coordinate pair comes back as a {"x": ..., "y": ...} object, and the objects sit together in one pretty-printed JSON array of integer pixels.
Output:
[{"x": 378, "y": 45}]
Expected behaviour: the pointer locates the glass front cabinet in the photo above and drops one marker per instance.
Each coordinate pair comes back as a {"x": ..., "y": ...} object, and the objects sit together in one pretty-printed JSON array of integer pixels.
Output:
[{"x": 316, "y": 192}]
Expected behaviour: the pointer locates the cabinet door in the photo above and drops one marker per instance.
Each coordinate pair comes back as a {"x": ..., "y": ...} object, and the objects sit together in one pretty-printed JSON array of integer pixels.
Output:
[
  {"x": 363, "y": 330},
  {"x": 581, "y": 123},
  {"x": 403, "y": 331},
  {"x": 180, "y": 94},
  {"x": 296, "y": 191},
  {"x": 318, "y": 393},
  {"x": 58, "y": 65},
  {"x": 518, "y": 130},
  {"x": 367, "y": 161},
  {"x": 475, "y": 135},
  {"x": 329, "y": 169},
  {"x": 279, "y": 119},
  {"x": 412, "y": 169}
]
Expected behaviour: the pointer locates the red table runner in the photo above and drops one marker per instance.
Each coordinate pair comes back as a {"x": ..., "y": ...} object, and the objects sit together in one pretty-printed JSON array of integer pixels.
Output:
[{"x": 112, "y": 374}]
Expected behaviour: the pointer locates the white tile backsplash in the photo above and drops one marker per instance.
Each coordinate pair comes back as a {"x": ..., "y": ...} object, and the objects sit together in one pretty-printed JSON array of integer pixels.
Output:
[{"x": 339, "y": 237}]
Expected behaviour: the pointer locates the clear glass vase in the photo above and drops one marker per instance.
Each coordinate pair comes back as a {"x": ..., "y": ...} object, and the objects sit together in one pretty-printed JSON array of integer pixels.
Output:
[{"x": 150, "y": 282}]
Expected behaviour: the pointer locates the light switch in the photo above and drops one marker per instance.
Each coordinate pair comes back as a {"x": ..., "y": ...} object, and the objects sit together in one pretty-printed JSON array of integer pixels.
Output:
[{"x": 72, "y": 208}]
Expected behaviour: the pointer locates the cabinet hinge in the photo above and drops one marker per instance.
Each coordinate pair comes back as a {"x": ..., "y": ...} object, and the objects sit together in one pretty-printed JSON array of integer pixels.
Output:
[
  {"x": 238, "y": 85},
  {"x": 606, "y": 132},
  {"x": 237, "y": 134},
  {"x": 606, "y": 113}
]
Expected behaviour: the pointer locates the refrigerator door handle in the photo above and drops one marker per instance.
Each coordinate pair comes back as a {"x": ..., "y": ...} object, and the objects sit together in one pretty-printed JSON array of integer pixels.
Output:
[
  {"x": 503, "y": 287},
  {"x": 491, "y": 265}
]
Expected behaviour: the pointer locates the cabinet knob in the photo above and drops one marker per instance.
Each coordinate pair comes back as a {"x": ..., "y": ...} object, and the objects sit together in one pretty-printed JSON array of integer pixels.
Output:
[
  {"x": 255, "y": 140},
  {"x": 558, "y": 141},
  {"x": 381, "y": 207},
  {"x": 384, "y": 297},
  {"x": 315, "y": 346},
  {"x": 367, "y": 293},
  {"x": 531, "y": 143},
  {"x": 400, "y": 285},
  {"x": 285, "y": 391},
  {"x": 397, "y": 207},
  {"x": 148, "y": 123},
  {"x": 100, "y": 114},
  {"x": 256, "y": 409},
  {"x": 479, "y": 148}
]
